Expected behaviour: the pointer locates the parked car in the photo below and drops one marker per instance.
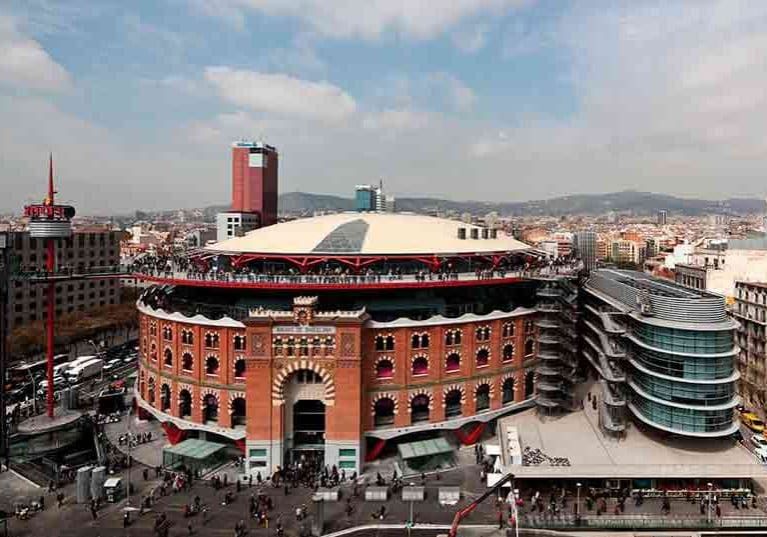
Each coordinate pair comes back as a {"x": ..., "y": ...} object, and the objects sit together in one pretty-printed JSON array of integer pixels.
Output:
[
  {"x": 753, "y": 422},
  {"x": 112, "y": 364},
  {"x": 130, "y": 358}
]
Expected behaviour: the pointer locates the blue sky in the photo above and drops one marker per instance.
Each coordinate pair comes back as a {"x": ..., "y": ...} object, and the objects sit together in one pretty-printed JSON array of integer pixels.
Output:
[{"x": 480, "y": 99}]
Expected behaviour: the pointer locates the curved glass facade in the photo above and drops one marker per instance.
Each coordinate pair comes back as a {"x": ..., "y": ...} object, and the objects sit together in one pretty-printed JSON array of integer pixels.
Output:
[
  {"x": 683, "y": 420},
  {"x": 686, "y": 367},
  {"x": 696, "y": 364},
  {"x": 684, "y": 393},
  {"x": 690, "y": 341}
]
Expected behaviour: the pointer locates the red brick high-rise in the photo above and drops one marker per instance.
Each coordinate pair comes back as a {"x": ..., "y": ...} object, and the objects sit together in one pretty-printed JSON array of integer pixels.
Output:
[{"x": 254, "y": 180}]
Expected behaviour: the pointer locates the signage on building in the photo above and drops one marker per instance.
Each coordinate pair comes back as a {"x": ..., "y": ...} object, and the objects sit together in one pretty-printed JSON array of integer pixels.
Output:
[{"x": 303, "y": 329}]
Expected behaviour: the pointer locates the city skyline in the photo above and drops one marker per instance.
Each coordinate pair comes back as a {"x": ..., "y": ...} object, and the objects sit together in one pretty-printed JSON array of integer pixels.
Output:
[{"x": 533, "y": 100}]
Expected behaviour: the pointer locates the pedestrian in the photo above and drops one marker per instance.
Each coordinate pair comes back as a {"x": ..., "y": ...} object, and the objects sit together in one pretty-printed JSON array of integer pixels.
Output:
[
  {"x": 250, "y": 480},
  {"x": 189, "y": 528},
  {"x": 145, "y": 473},
  {"x": 718, "y": 511}
]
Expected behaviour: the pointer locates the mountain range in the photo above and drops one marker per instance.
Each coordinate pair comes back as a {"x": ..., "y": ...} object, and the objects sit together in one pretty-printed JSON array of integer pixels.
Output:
[{"x": 625, "y": 202}]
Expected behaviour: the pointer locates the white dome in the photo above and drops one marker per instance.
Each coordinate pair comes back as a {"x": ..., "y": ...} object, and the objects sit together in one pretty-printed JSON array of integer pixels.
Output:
[{"x": 368, "y": 234}]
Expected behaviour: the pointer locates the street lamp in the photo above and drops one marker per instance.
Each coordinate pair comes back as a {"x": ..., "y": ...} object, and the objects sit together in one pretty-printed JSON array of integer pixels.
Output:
[
  {"x": 710, "y": 485},
  {"x": 577, "y": 502}
]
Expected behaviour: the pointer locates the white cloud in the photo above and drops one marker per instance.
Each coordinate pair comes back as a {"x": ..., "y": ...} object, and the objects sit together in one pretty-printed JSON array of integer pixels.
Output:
[
  {"x": 471, "y": 40},
  {"x": 25, "y": 64},
  {"x": 394, "y": 120},
  {"x": 281, "y": 95},
  {"x": 418, "y": 19},
  {"x": 459, "y": 95}
]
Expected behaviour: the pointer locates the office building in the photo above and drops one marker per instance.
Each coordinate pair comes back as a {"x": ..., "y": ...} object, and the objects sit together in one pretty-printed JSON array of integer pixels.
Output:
[
  {"x": 663, "y": 352},
  {"x": 585, "y": 244},
  {"x": 87, "y": 248},
  {"x": 235, "y": 224},
  {"x": 255, "y": 180},
  {"x": 662, "y": 217},
  {"x": 369, "y": 198}
]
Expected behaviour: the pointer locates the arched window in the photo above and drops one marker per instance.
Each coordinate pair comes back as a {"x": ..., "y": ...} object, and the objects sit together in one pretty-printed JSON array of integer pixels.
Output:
[
  {"x": 168, "y": 358},
  {"x": 150, "y": 392},
  {"x": 187, "y": 362},
  {"x": 453, "y": 362},
  {"x": 167, "y": 333},
  {"x": 240, "y": 342},
  {"x": 483, "y": 357},
  {"x": 508, "y": 330},
  {"x": 419, "y": 408},
  {"x": 153, "y": 353},
  {"x": 389, "y": 343},
  {"x": 508, "y": 391},
  {"x": 384, "y": 369},
  {"x": 453, "y": 403},
  {"x": 165, "y": 398},
  {"x": 291, "y": 348},
  {"x": 383, "y": 412},
  {"x": 239, "y": 368},
  {"x": 508, "y": 352},
  {"x": 211, "y": 365},
  {"x": 184, "y": 404},
  {"x": 210, "y": 409},
  {"x": 415, "y": 341},
  {"x": 153, "y": 328},
  {"x": 453, "y": 337},
  {"x": 211, "y": 340},
  {"x": 239, "y": 412},
  {"x": 420, "y": 366},
  {"x": 483, "y": 333},
  {"x": 529, "y": 347},
  {"x": 457, "y": 337},
  {"x": 303, "y": 348},
  {"x": 424, "y": 341},
  {"x": 529, "y": 384},
  {"x": 187, "y": 337},
  {"x": 379, "y": 343},
  {"x": 483, "y": 397}
]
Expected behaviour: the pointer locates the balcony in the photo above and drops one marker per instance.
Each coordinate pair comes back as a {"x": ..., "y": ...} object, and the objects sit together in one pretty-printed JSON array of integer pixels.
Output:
[
  {"x": 549, "y": 292},
  {"x": 548, "y": 323},
  {"x": 548, "y": 371},
  {"x": 548, "y": 308},
  {"x": 549, "y": 356},
  {"x": 549, "y": 386},
  {"x": 548, "y": 339}
]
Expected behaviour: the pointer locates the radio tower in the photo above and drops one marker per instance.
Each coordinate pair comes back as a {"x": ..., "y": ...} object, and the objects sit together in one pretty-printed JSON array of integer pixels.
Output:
[{"x": 49, "y": 222}]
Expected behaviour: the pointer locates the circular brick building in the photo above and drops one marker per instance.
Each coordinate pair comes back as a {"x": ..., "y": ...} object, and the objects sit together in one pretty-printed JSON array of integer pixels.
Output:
[{"x": 336, "y": 336}]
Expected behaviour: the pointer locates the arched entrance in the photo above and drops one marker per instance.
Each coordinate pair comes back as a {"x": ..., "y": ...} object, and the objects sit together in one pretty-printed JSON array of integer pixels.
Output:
[
  {"x": 383, "y": 412},
  {"x": 453, "y": 400},
  {"x": 419, "y": 408},
  {"x": 305, "y": 397},
  {"x": 165, "y": 397}
]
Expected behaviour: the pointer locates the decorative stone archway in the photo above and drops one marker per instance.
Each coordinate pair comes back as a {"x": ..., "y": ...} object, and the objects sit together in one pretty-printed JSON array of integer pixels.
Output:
[
  {"x": 384, "y": 395},
  {"x": 278, "y": 386}
]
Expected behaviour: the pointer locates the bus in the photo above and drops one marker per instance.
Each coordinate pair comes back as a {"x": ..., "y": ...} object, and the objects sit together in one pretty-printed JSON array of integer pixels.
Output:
[
  {"x": 24, "y": 372},
  {"x": 86, "y": 370}
]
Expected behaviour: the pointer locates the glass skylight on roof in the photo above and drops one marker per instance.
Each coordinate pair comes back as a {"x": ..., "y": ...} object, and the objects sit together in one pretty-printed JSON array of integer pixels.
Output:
[{"x": 345, "y": 239}]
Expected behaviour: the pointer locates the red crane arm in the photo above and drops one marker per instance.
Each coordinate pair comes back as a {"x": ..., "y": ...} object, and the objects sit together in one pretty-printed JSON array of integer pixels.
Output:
[{"x": 466, "y": 511}]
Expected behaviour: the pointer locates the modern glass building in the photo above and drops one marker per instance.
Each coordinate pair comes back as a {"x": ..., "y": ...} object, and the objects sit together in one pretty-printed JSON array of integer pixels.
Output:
[{"x": 666, "y": 352}]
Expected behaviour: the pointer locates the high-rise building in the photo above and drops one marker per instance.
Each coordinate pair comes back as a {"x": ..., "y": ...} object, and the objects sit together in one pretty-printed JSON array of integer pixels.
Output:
[
  {"x": 254, "y": 180},
  {"x": 365, "y": 198},
  {"x": 662, "y": 215},
  {"x": 664, "y": 352},
  {"x": 369, "y": 198},
  {"x": 585, "y": 243}
]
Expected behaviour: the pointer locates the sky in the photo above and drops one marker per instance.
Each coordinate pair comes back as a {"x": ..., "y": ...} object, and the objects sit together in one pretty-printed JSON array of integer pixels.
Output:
[{"x": 500, "y": 100}]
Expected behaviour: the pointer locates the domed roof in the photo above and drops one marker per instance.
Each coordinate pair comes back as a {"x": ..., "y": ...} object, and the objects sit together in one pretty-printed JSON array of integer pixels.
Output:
[{"x": 368, "y": 234}]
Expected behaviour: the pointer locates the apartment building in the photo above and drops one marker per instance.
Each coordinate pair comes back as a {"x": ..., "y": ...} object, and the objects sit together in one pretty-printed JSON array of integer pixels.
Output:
[
  {"x": 750, "y": 309},
  {"x": 86, "y": 248}
]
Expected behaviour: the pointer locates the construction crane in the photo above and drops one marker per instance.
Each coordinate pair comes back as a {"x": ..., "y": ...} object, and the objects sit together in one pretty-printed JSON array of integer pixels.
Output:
[{"x": 466, "y": 511}]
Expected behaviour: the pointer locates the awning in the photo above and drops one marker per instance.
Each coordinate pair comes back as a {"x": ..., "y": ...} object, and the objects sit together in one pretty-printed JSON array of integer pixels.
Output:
[
  {"x": 195, "y": 448},
  {"x": 424, "y": 448}
]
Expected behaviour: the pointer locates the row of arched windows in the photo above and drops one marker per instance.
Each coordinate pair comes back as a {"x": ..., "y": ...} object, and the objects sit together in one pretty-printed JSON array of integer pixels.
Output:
[
  {"x": 303, "y": 346},
  {"x": 212, "y": 365},
  {"x": 452, "y": 337},
  {"x": 210, "y": 404},
  {"x": 420, "y": 364},
  {"x": 420, "y": 405}
]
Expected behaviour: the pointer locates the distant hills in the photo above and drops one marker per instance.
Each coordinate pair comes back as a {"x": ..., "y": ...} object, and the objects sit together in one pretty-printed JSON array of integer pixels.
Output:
[
  {"x": 629, "y": 202},
  {"x": 626, "y": 202}
]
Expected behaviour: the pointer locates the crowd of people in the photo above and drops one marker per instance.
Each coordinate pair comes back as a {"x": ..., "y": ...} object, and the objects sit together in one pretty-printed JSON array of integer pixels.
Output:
[{"x": 180, "y": 266}]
